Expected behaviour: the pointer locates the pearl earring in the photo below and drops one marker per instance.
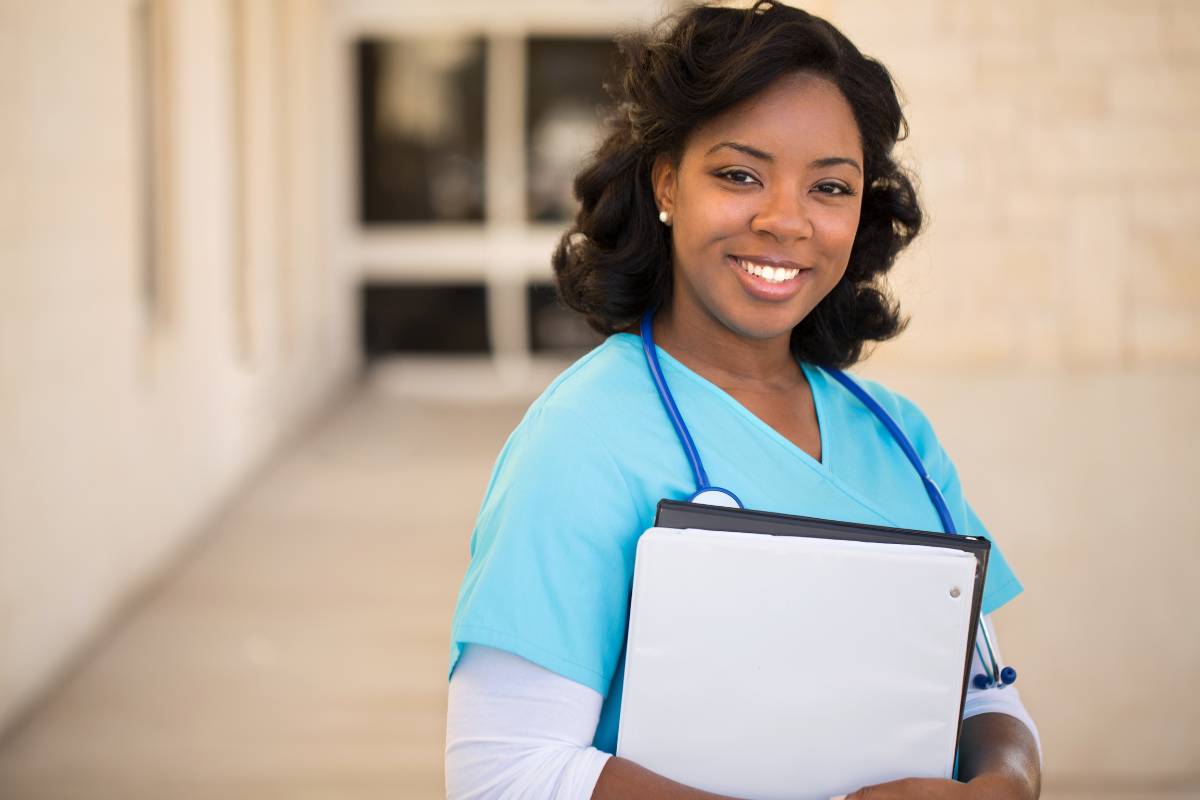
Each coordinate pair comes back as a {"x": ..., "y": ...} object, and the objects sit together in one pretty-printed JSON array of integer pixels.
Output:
[{"x": 664, "y": 218}]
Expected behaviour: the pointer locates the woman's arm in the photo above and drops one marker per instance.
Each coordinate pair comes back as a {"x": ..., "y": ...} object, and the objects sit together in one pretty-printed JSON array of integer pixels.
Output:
[
  {"x": 1000, "y": 753},
  {"x": 622, "y": 778},
  {"x": 515, "y": 729},
  {"x": 1000, "y": 745},
  {"x": 998, "y": 759}
]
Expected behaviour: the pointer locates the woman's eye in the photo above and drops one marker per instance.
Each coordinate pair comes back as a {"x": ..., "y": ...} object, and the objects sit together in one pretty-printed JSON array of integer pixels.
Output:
[
  {"x": 835, "y": 189},
  {"x": 739, "y": 176}
]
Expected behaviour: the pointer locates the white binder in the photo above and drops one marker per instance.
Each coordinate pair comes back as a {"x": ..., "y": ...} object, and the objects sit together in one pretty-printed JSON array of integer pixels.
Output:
[{"x": 788, "y": 667}]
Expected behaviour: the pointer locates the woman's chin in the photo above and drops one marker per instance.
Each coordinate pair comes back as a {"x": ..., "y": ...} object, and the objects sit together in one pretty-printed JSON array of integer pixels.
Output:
[{"x": 762, "y": 326}]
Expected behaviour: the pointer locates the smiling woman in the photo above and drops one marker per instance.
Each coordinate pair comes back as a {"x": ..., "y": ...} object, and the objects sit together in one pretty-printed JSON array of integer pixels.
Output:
[
  {"x": 764, "y": 215},
  {"x": 701, "y": 75},
  {"x": 745, "y": 207}
]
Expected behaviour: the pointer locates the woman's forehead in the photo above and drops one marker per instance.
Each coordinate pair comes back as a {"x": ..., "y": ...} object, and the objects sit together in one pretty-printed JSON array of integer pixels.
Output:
[{"x": 795, "y": 116}]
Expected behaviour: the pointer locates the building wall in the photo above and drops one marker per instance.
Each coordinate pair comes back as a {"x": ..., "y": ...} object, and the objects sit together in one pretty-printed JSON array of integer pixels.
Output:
[
  {"x": 126, "y": 424},
  {"x": 1053, "y": 142}
]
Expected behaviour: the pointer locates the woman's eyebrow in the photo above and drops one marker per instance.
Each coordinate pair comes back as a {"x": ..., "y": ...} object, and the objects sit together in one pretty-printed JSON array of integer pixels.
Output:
[
  {"x": 762, "y": 155},
  {"x": 742, "y": 148},
  {"x": 835, "y": 160}
]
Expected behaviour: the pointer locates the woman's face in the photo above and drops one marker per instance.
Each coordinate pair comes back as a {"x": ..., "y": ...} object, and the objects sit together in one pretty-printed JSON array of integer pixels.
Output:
[{"x": 764, "y": 204}]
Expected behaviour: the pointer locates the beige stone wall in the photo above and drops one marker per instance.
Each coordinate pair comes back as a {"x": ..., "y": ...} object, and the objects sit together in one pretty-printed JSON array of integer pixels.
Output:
[
  {"x": 124, "y": 428},
  {"x": 1055, "y": 145}
]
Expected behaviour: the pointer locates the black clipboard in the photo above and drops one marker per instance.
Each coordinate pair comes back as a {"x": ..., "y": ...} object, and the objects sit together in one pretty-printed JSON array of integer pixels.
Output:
[{"x": 683, "y": 515}]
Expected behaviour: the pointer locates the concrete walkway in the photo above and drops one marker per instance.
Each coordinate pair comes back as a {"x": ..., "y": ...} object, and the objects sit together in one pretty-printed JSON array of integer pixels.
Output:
[{"x": 300, "y": 650}]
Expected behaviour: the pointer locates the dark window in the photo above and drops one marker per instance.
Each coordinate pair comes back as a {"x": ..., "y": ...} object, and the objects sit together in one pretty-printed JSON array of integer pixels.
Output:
[
  {"x": 422, "y": 318},
  {"x": 565, "y": 108},
  {"x": 420, "y": 119}
]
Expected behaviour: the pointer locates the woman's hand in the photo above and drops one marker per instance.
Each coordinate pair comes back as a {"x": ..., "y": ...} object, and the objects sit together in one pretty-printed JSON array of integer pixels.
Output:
[
  {"x": 984, "y": 787},
  {"x": 998, "y": 759}
]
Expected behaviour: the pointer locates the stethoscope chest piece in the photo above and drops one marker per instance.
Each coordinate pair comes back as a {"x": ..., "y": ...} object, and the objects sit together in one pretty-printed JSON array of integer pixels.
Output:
[{"x": 715, "y": 496}]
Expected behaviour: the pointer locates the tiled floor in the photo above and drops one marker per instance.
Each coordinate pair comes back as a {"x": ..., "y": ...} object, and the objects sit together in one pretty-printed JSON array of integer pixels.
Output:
[{"x": 299, "y": 652}]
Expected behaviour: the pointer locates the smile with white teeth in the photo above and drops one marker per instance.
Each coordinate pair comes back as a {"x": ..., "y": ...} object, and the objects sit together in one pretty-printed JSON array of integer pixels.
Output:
[{"x": 766, "y": 272}]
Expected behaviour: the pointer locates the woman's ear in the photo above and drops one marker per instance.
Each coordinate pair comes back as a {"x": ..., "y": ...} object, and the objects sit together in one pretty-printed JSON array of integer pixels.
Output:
[{"x": 663, "y": 174}]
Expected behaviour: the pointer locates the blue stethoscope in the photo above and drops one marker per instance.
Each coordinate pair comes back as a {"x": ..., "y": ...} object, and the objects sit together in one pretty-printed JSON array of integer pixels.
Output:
[{"x": 993, "y": 674}]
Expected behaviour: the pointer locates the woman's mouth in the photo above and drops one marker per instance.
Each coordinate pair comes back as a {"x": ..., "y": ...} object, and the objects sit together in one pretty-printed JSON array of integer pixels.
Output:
[
  {"x": 769, "y": 280},
  {"x": 767, "y": 272}
]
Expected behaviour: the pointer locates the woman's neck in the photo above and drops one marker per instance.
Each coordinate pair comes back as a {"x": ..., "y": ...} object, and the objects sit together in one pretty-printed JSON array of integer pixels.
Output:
[{"x": 724, "y": 357}]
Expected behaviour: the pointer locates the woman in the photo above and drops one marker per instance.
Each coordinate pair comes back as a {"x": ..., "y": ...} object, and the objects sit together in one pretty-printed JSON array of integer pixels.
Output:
[{"x": 746, "y": 194}]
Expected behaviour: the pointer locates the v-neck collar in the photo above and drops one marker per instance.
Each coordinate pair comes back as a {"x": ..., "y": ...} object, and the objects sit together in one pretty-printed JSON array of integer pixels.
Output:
[
  {"x": 824, "y": 465},
  {"x": 817, "y": 384}
]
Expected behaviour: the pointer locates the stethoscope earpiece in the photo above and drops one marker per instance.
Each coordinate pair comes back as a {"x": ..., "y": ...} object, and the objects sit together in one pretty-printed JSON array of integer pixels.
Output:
[{"x": 1008, "y": 676}]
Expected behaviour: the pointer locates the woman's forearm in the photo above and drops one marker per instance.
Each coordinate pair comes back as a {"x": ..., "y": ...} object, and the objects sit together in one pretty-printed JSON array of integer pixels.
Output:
[
  {"x": 499, "y": 703},
  {"x": 999, "y": 750},
  {"x": 999, "y": 755},
  {"x": 622, "y": 779}
]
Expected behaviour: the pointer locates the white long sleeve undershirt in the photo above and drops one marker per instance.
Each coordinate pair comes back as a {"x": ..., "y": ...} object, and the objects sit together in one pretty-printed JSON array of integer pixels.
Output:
[{"x": 517, "y": 730}]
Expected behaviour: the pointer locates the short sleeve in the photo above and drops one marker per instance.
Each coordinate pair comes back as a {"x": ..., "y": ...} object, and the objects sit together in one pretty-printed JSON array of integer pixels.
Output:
[
  {"x": 1001, "y": 584},
  {"x": 552, "y": 552}
]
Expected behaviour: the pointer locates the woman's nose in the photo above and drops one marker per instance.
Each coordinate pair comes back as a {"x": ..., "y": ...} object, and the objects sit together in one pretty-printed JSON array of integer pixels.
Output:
[{"x": 783, "y": 214}]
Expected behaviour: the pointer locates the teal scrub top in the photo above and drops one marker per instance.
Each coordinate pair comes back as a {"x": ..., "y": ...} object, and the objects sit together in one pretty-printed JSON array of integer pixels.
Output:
[{"x": 578, "y": 481}]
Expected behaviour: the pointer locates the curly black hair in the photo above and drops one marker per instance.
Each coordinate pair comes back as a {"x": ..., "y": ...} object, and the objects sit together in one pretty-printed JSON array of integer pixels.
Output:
[{"x": 614, "y": 263}]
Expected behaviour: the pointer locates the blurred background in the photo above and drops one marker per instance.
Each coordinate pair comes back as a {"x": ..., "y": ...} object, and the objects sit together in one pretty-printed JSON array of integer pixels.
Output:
[{"x": 275, "y": 286}]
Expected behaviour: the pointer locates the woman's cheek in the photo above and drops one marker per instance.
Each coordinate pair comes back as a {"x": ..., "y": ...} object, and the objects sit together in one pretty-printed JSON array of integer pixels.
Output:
[
  {"x": 722, "y": 212},
  {"x": 840, "y": 230}
]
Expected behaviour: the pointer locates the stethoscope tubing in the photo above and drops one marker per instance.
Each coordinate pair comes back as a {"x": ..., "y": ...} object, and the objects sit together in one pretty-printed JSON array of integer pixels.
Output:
[
  {"x": 992, "y": 672},
  {"x": 931, "y": 488},
  {"x": 668, "y": 401}
]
